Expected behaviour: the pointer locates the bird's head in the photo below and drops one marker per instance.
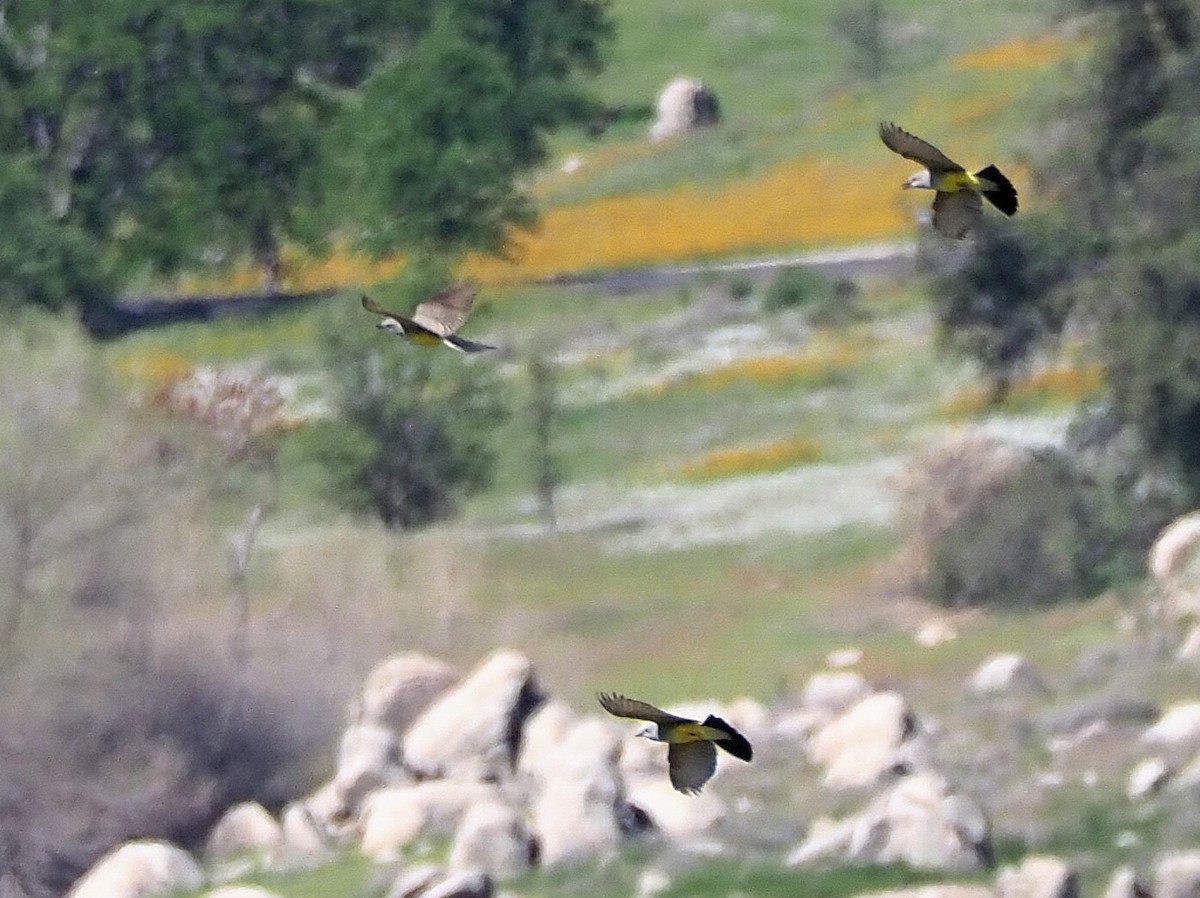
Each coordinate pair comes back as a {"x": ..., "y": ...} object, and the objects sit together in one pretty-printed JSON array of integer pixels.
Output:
[
  {"x": 649, "y": 731},
  {"x": 391, "y": 325},
  {"x": 920, "y": 179}
]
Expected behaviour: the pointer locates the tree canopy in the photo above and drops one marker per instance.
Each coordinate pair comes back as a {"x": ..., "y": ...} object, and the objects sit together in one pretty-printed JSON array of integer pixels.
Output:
[{"x": 141, "y": 133}]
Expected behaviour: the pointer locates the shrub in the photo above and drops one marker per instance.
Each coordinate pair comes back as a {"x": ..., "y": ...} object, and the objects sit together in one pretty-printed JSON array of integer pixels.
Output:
[
  {"x": 740, "y": 287},
  {"x": 991, "y": 523},
  {"x": 132, "y": 743},
  {"x": 793, "y": 288}
]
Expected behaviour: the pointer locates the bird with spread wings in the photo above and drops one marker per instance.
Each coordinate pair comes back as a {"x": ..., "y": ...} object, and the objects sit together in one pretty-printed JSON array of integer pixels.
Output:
[
  {"x": 434, "y": 321},
  {"x": 691, "y": 758},
  {"x": 958, "y": 204}
]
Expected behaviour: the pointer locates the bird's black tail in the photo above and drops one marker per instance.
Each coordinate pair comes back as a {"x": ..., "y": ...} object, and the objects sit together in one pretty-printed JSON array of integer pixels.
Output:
[
  {"x": 462, "y": 344},
  {"x": 737, "y": 744},
  {"x": 999, "y": 191}
]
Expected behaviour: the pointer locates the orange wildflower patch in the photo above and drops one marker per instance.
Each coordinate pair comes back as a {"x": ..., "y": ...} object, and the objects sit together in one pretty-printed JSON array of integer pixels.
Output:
[
  {"x": 774, "y": 456},
  {"x": 804, "y": 202},
  {"x": 1051, "y": 386},
  {"x": 818, "y": 367},
  {"x": 1023, "y": 52}
]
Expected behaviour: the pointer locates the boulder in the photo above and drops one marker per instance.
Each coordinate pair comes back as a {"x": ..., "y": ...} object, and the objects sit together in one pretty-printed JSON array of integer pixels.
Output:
[
  {"x": 1178, "y": 729},
  {"x": 246, "y": 829},
  {"x": 399, "y": 688},
  {"x": 684, "y": 105},
  {"x": 1124, "y": 883},
  {"x": 842, "y": 658},
  {"x": 933, "y": 633},
  {"x": 936, "y": 890},
  {"x": 876, "y": 735},
  {"x": 1174, "y": 550},
  {"x": 465, "y": 884},
  {"x": 304, "y": 838},
  {"x": 240, "y": 892},
  {"x": 1147, "y": 778},
  {"x": 411, "y": 883},
  {"x": 368, "y": 759},
  {"x": 544, "y": 732},
  {"x": 832, "y": 692},
  {"x": 138, "y": 869},
  {"x": 494, "y": 838},
  {"x": 580, "y": 812},
  {"x": 393, "y": 818},
  {"x": 1003, "y": 673},
  {"x": 473, "y": 730},
  {"x": 679, "y": 816},
  {"x": 1177, "y": 875},
  {"x": 920, "y": 821},
  {"x": 1038, "y": 876}
]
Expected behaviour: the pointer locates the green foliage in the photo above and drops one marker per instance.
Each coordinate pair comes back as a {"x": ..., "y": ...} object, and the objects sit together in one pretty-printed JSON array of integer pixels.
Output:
[
  {"x": 1131, "y": 174},
  {"x": 414, "y": 423},
  {"x": 991, "y": 524},
  {"x": 1006, "y": 299},
  {"x": 863, "y": 26},
  {"x": 449, "y": 128},
  {"x": 793, "y": 288}
]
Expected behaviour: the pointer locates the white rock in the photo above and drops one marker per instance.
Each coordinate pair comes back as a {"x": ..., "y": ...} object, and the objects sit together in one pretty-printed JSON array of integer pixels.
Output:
[
  {"x": 240, "y": 892},
  {"x": 1177, "y": 875},
  {"x": 1006, "y": 672},
  {"x": 933, "y": 633},
  {"x": 494, "y": 838},
  {"x": 1124, "y": 883},
  {"x": 680, "y": 108},
  {"x": 390, "y": 820},
  {"x": 578, "y": 814},
  {"x": 1038, "y": 876},
  {"x": 679, "y": 816},
  {"x": 1189, "y": 648},
  {"x": 1178, "y": 728},
  {"x": 832, "y": 692},
  {"x": 400, "y": 687},
  {"x": 872, "y": 737},
  {"x": 544, "y": 731},
  {"x": 842, "y": 658},
  {"x": 467, "y": 731},
  {"x": 304, "y": 839},
  {"x": 245, "y": 829},
  {"x": 368, "y": 759},
  {"x": 1174, "y": 551},
  {"x": 1147, "y": 778},
  {"x": 921, "y": 821},
  {"x": 139, "y": 869}
]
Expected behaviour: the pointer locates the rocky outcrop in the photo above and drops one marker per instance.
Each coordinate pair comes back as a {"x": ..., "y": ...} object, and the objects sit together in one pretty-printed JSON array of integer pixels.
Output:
[
  {"x": 139, "y": 869},
  {"x": 920, "y": 821},
  {"x": 473, "y": 731},
  {"x": 399, "y": 688}
]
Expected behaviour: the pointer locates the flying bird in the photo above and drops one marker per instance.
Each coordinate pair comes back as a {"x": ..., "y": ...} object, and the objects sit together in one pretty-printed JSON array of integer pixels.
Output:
[
  {"x": 691, "y": 758},
  {"x": 434, "y": 321},
  {"x": 958, "y": 204}
]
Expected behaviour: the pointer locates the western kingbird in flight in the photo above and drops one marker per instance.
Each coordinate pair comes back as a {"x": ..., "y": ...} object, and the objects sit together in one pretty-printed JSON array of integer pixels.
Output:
[
  {"x": 691, "y": 758},
  {"x": 433, "y": 321},
  {"x": 957, "y": 205}
]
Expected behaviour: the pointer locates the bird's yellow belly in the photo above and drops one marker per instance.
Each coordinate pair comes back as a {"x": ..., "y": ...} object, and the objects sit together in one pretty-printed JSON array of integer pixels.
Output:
[
  {"x": 694, "y": 732},
  {"x": 951, "y": 181},
  {"x": 425, "y": 339}
]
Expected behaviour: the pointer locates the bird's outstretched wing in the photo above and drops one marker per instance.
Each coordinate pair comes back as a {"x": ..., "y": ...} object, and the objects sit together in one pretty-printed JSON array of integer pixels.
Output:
[
  {"x": 444, "y": 312},
  {"x": 912, "y": 147},
  {"x": 691, "y": 765},
  {"x": 372, "y": 306},
  {"x": 956, "y": 213},
  {"x": 632, "y": 708}
]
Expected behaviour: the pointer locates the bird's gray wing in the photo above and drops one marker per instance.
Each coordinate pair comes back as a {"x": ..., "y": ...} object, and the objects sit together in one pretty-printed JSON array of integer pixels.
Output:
[
  {"x": 372, "y": 306},
  {"x": 632, "y": 708},
  {"x": 444, "y": 312},
  {"x": 912, "y": 147},
  {"x": 956, "y": 213},
  {"x": 691, "y": 765}
]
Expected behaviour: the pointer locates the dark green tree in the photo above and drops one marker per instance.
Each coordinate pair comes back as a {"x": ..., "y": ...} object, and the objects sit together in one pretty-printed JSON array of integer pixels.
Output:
[
  {"x": 1009, "y": 296},
  {"x": 1131, "y": 174},
  {"x": 415, "y": 425},
  {"x": 445, "y": 134}
]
